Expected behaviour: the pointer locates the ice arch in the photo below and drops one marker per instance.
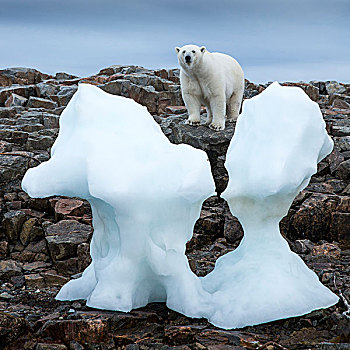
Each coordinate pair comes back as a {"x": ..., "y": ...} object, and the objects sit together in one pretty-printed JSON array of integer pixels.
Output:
[{"x": 146, "y": 195}]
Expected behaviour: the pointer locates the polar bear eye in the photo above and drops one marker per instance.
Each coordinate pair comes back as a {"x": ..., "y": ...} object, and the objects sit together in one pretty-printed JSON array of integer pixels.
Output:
[
  {"x": 184, "y": 52},
  {"x": 193, "y": 51}
]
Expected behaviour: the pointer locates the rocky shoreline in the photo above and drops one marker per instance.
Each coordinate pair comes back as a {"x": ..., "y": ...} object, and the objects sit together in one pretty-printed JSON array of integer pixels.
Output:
[{"x": 45, "y": 242}]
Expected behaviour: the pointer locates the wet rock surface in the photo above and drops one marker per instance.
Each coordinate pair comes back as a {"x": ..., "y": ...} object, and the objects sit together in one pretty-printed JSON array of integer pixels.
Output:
[{"x": 45, "y": 242}]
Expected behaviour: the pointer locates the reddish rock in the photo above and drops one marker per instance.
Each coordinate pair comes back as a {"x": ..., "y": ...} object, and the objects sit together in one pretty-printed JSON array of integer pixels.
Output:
[
  {"x": 84, "y": 331},
  {"x": 175, "y": 110},
  {"x": 70, "y": 207},
  {"x": 15, "y": 100}
]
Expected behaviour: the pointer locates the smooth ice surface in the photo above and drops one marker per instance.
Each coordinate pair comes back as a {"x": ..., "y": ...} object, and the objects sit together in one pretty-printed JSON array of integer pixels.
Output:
[
  {"x": 279, "y": 139},
  {"x": 145, "y": 194}
]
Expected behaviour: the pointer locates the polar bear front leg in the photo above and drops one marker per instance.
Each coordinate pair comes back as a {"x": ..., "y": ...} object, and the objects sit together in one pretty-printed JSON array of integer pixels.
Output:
[
  {"x": 218, "y": 107},
  {"x": 193, "y": 106}
]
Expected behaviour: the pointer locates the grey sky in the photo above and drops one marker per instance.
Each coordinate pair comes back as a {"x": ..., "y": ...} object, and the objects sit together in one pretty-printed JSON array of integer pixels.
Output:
[{"x": 272, "y": 39}]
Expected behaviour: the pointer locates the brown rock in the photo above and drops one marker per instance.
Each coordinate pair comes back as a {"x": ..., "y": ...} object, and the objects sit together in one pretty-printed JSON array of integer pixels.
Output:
[
  {"x": 38, "y": 102},
  {"x": 42, "y": 346},
  {"x": 181, "y": 335},
  {"x": 4, "y": 249},
  {"x": 84, "y": 258},
  {"x": 233, "y": 230},
  {"x": 327, "y": 249},
  {"x": 340, "y": 228},
  {"x": 34, "y": 281},
  {"x": 334, "y": 159},
  {"x": 31, "y": 231},
  {"x": 36, "y": 265},
  {"x": 312, "y": 220},
  {"x": 67, "y": 267},
  {"x": 338, "y": 103},
  {"x": 210, "y": 225},
  {"x": 12, "y": 327},
  {"x": 52, "y": 279}
]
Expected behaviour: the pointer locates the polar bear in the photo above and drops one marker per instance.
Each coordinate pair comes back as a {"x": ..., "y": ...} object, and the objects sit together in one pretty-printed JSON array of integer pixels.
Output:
[{"x": 212, "y": 79}]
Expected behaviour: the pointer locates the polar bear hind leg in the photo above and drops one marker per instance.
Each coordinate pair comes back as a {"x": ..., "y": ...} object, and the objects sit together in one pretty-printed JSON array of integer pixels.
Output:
[
  {"x": 234, "y": 106},
  {"x": 209, "y": 115}
]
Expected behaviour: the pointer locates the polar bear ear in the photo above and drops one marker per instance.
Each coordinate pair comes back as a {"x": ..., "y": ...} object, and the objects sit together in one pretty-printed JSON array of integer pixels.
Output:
[
  {"x": 203, "y": 49},
  {"x": 177, "y": 49}
]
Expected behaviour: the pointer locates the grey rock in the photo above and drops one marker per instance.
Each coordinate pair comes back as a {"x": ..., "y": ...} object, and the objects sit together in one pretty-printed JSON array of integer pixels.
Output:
[
  {"x": 10, "y": 268},
  {"x": 64, "y": 238},
  {"x": 343, "y": 170},
  {"x": 64, "y": 76},
  {"x": 65, "y": 94},
  {"x": 12, "y": 167},
  {"x": 46, "y": 90},
  {"x": 12, "y": 223},
  {"x": 334, "y": 87},
  {"x": 214, "y": 143},
  {"x": 343, "y": 143},
  {"x": 340, "y": 130}
]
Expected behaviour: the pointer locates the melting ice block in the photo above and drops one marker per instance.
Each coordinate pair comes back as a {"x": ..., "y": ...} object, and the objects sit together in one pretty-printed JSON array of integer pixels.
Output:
[
  {"x": 279, "y": 138},
  {"x": 145, "y": 194}
]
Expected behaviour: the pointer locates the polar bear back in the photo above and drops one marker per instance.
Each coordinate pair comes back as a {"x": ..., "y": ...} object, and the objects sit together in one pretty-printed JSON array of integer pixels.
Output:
[{"x": 226, "y": 68}]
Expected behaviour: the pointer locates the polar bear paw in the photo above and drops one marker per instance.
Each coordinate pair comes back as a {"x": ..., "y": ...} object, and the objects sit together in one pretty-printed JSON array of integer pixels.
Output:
[
  {"x": 216, "y": 126},
  {"x": 192, "y": 122}
]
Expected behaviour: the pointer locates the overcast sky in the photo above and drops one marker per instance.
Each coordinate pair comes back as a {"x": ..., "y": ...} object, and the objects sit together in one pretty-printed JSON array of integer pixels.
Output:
[{"x": 285, "y": 40}]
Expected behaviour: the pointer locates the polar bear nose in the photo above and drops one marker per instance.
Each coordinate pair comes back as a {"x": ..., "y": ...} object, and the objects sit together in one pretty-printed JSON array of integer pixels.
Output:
[{"x": 188, "y": 58}]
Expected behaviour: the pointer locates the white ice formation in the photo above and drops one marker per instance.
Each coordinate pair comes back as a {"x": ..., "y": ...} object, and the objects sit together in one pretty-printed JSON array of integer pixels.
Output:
[
  {"x": 146, "y": 195},
  {"x": 279, "y": 139}
]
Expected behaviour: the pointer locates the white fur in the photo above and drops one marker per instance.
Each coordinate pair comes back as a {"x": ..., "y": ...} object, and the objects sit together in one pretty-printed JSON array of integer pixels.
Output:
[{"x": 214, "y": 80}]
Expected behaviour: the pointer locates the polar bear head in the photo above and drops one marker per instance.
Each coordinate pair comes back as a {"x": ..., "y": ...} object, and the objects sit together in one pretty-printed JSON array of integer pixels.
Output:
[{"x": 189, "y": 55}]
